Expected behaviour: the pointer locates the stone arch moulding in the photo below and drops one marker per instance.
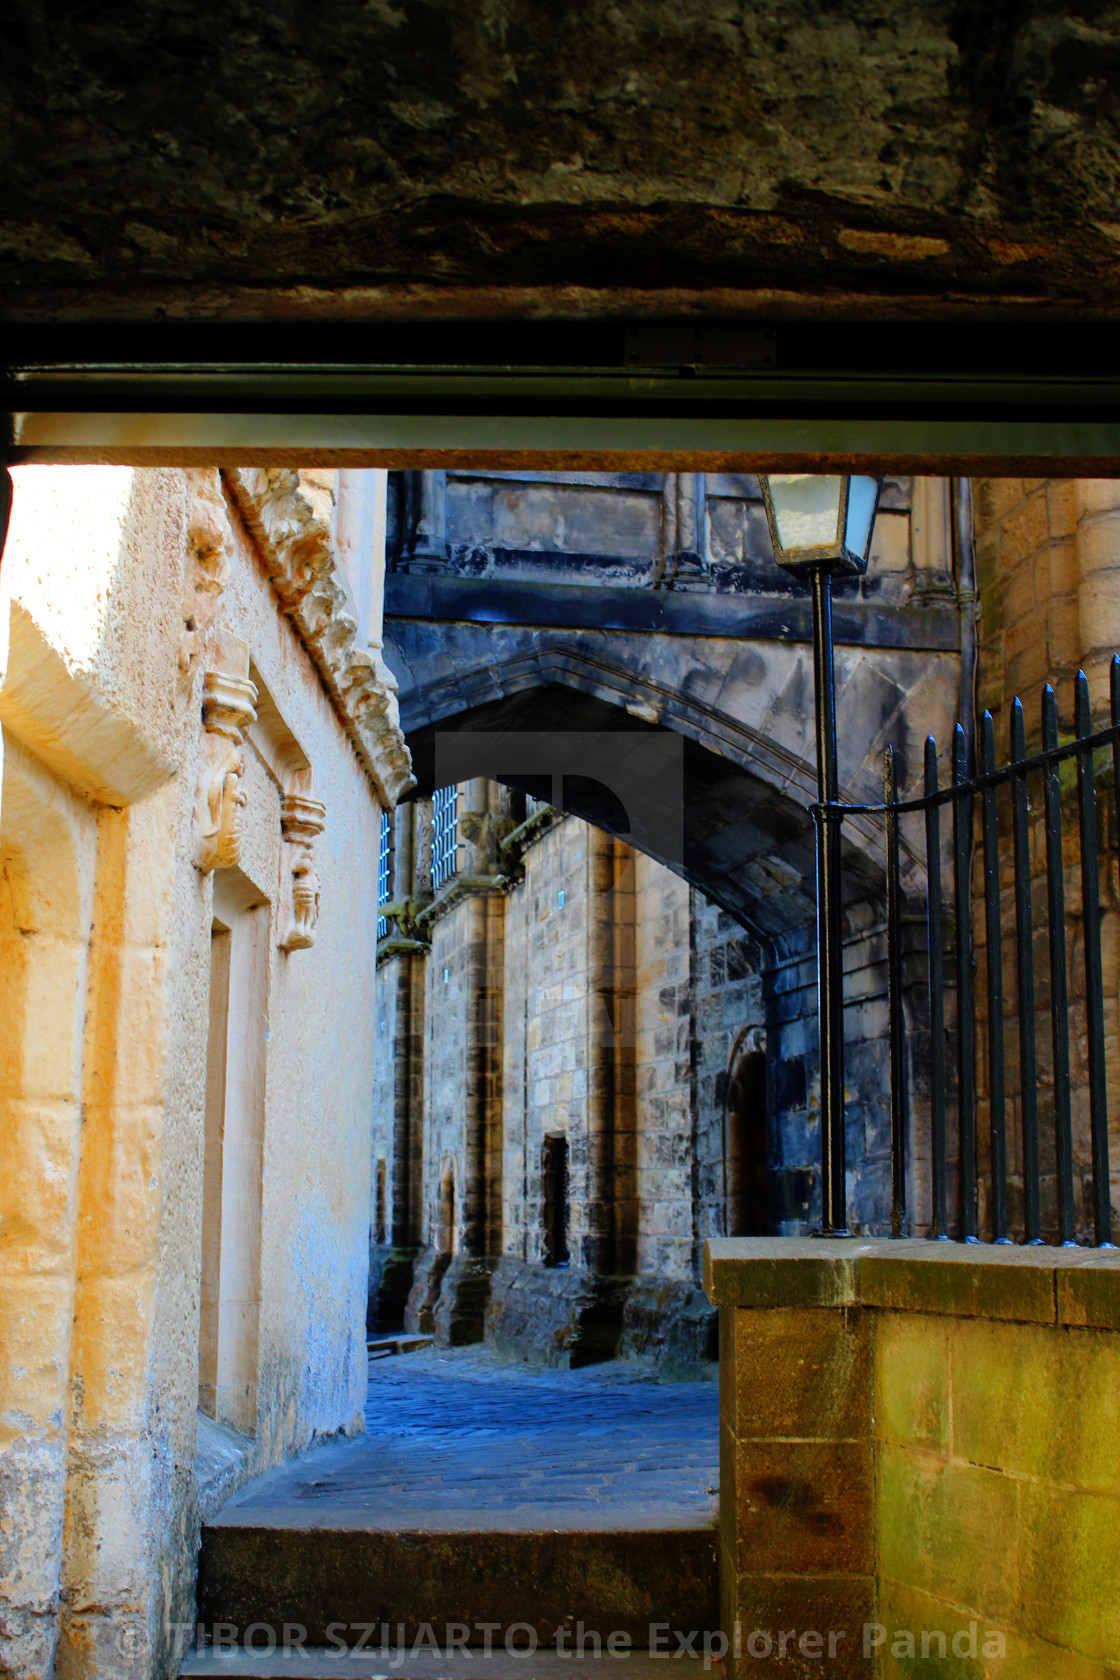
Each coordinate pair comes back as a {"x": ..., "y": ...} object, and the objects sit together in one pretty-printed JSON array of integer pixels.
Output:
[{"x": 748, "y": 833}]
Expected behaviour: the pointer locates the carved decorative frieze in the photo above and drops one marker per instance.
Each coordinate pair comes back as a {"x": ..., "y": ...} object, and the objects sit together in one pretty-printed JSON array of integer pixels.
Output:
[
  {"x": 228, "y": 710},
  {"x": 288, "y": 513},
  {"x": 301, "y": 820},
  {"x": 209, "y": 550}
]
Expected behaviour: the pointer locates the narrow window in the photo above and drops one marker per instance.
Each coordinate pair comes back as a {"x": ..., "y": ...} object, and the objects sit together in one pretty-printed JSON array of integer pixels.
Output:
[
  {"x": 445, "y": 835},
  {"x": 447, "y": 1212},
  {"x": 233, "y": 1156},
  {"x": 384, "y": 872},
  {"x": 379, "y": 1208},
  {"x": 748, "y": 1147},
  {"x": 554, "y": 1198}
]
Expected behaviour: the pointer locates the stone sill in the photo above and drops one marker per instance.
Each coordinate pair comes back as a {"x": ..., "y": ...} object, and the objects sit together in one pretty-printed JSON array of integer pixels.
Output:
[
  {"x": 1069, "y": 1287},
  {"x": 454, "y": 890},
  {"x": 390, "y": 947}
]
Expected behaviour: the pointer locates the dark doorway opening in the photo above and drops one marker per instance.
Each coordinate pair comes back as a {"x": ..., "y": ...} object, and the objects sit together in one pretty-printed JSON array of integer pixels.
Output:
[
  {"x": 554, "y": 1197},
  {"x": 380, "y": 1221},
  {"x": 748, "y": 1147}
]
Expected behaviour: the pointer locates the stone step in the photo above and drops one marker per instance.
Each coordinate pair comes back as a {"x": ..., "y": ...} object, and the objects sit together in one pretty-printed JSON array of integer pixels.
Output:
[
  {"x": 318, "y": 1664},
  {"x": 315, "y": 1574},
  {"x": 381, "y": 1347}
]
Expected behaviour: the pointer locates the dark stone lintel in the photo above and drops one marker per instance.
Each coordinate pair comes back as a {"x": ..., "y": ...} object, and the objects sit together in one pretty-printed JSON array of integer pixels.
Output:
[{"x": 933, "y": 628}]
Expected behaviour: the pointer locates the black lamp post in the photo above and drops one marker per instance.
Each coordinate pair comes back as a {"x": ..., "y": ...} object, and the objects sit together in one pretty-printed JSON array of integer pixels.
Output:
[{"x": 821, "y": 525}]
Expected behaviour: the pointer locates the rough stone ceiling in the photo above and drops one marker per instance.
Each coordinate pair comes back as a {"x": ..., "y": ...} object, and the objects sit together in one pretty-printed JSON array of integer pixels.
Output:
[{"x": 512, "y": 157}]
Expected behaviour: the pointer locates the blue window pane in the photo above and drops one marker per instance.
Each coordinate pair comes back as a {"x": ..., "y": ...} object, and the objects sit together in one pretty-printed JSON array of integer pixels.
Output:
[{"x": 445, "y": 835}]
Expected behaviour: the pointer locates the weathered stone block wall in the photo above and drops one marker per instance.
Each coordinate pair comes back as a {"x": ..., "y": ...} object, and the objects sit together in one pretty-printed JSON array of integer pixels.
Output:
[
  {"x": 728, "y": 1004},
  {"x": 451, "y": 1006},
  {"x": 601, "y": 527},
  {"x": 47, "y": 855},
  {"x": 917, "y": 1445},
  {"x": 547, "y": 990},
  {"x": 1048, "y": 560},
  {"x": 387, "y": 1028},
  {"x": 753, "y": 1001},
  {"x": 976, "y": 182},
  {"x": 664, "y": 1007},
  {"x": 1027, "y": 574},
  {"x": 630, "y": 530},
  {"x": 120, "y": 592},
  {"x": 627, "y": 1002},
  {"x": 397, "y": 1158},
  {"x": 554, "y": 1004}
]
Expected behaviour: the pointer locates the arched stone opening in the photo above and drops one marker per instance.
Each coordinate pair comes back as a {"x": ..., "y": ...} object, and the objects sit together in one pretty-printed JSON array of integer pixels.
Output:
[
  {"x": 743, "y": 856},
  {"x": 746, "y": 1139},
  {"x": 745, "y": 833}
]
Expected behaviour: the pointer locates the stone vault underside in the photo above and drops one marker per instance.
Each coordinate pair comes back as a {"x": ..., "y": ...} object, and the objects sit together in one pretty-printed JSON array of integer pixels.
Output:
[{"x": 425, "y": 157}]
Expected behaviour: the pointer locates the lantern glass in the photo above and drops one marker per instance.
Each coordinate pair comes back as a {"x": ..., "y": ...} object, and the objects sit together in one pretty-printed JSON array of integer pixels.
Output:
[
  {"x": 863, "y": 497},
  {"x": 806, "y": 510},
  {"x": 819, "y": 520}
]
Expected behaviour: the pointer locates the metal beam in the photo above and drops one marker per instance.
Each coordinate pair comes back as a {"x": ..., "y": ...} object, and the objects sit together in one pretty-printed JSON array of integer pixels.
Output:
[
  {"x": 1025, "y": 399},
  {"x": 587, "y": 442}
]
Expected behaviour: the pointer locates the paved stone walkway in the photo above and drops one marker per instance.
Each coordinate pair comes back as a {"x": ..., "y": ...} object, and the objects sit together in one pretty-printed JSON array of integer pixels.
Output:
[
  {"x": 484, "y": 1495},
  {"x": 461, "y": 1439}
]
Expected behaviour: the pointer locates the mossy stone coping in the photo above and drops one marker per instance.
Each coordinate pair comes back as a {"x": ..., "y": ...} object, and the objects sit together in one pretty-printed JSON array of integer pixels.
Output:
[{"x": 1061, "y": 1286}]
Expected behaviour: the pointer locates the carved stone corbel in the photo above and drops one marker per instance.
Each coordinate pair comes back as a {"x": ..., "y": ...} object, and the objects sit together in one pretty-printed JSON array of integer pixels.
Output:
[
  {"x": 228, "y": 709},
  {"x": 209, "y": 549},
  {"x": 301, "y": 820},
  {"x": 289, "y": 516}
]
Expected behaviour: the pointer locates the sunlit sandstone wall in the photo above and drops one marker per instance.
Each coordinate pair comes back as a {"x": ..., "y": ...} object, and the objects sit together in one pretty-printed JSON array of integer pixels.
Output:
[
  {"x": 1048, "y": 570},
  {"x": 122, "y": 593},
  {"x": 918, "y": 1458}
]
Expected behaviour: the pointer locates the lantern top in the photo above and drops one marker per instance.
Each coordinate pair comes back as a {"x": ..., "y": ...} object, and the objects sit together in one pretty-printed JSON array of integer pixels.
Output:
[{"x": 821, "y": 520}]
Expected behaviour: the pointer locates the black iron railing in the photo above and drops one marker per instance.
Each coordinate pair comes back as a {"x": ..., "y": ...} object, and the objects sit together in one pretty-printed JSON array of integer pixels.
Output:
[{"x": 959, "y": 800}]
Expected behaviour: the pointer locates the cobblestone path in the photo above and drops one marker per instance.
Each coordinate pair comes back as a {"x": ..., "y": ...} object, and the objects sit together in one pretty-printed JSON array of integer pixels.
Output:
[{"x": 462, "y": 1439}]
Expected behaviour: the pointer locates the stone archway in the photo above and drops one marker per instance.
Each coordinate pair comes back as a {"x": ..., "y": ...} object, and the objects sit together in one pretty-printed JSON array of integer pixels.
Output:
[{"x": 738, "y": 715}]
